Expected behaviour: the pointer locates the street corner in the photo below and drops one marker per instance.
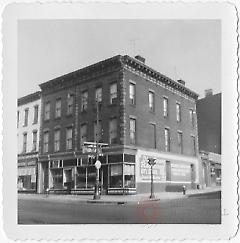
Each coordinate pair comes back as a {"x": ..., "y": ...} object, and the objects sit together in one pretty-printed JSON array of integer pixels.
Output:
[{"x": 148, "y": 211}]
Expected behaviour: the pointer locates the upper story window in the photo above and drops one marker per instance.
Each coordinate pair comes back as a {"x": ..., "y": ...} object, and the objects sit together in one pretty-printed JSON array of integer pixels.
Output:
[
  {"x": 113, "y": 131},
  {"x": 83, "y": 132},
  {"x": 132, "y": 93},
  {"x": 151, "y": 100},
  {"x": 34, "y": 141},
  {"x": 98, "y": 131},
  {"x": 132, "y": 131},
  {"x": 57, "y": 140},
  {"x": 165, "y": 106},
  {"x": 180, "y": 142},
  {"x": 178, "y": 112},
  {"x": 98, "y": 95},
  {"x": 18, "y": 116},
  {"x": 194, "y": 145},
  {"x": 58, "y": 108},
  {"x": 47, "y": 111},
  {"x": 69, "y": 135},
  {"x": 35, "y": 118},
  {"x": 70, "y": 100},
  {"x": 84, "y": 99},
  {"x": 167, "y": 139},
  {"x": 113, "y": 93},
  {"x": 24, "y": 142},
  {"x": 26, "y": 111},
  {"x": 191, "y": 116},
  {"x": 46, "y": 142},
  {"x": 153, "y": 136}
]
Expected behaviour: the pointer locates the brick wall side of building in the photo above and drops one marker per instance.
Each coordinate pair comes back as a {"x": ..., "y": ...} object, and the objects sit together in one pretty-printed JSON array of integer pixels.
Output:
[{"x": 144, "y": 116}]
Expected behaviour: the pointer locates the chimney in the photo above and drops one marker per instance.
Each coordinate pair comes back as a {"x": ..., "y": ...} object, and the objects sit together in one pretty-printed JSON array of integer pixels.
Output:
[
  {"x": 140, "y": 58},
  {"x": 182, "y": 82},
  {"x": 208, "y": 92}
]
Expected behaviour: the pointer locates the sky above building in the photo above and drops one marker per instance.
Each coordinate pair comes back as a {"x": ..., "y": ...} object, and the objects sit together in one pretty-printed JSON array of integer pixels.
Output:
[{"x": 180, "y": 49}]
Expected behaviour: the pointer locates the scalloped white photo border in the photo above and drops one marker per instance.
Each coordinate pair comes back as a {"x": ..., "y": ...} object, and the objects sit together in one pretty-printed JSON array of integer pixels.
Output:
[{"x": 226, "y": 12}]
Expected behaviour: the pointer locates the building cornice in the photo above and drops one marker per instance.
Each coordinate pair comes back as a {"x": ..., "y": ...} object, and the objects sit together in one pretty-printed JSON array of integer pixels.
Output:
[
  {"x": 29, "y": 98},
  {"x": 142, "y": 69}
]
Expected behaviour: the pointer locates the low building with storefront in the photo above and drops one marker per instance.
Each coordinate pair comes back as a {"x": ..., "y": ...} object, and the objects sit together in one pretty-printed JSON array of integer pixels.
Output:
[
  {"x": 142, "y": 114},
  {"x": 209, "y": 130},
  {"x": 28, "y": 124}
]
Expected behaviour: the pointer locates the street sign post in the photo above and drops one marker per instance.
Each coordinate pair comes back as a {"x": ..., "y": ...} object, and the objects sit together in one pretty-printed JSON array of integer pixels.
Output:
[{"x": 152, "y": 162}]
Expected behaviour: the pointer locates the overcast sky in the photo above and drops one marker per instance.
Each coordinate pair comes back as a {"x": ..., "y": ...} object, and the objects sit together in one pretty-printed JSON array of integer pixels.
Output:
[{"x": 186, "y": 49}]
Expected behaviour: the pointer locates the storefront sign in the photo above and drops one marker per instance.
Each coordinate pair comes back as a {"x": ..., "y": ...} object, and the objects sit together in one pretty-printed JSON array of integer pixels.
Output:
[
  {"x": 159, "y": 171},
  {"x": 26, "y": 171},
  {"x": 180, "y": 172}
]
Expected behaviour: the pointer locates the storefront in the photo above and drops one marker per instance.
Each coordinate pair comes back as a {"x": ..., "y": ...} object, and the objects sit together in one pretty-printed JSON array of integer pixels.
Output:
[
  {"x": 78, "y": 175},
  {"x": 27, "y": 174}
]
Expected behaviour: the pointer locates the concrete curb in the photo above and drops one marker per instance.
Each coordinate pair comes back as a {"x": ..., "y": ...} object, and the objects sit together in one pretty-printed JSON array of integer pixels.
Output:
[{"x": 122, "y": 202}]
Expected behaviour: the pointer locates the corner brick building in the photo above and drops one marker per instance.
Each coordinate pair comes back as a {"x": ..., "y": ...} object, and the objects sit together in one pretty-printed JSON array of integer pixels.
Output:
[{"x": 142, "y": 114}]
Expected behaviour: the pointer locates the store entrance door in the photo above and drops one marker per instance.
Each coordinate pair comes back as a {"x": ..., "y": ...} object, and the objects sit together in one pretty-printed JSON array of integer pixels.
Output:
[
  {"x": 68, "y": 179},
  {"x": 104, "y": 178}
]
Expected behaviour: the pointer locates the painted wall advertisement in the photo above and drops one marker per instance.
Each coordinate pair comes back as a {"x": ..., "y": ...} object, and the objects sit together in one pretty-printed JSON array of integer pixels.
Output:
[
  {"x": 180, "y": 172},
  {"x": 159, "y": 170}
]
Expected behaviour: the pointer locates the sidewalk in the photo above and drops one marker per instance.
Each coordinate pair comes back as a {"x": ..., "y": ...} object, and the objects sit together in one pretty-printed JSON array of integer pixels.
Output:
[{"x": 117, "y": 199}]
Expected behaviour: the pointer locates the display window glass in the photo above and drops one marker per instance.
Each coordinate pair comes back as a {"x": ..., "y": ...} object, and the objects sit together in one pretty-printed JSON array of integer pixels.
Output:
[
  {"x": 91, "y": 177},
  {"x": 57, "y": 178},
  {"x": 129, "y": 176},
  {"x": 81, "y": 177},
  {"x": 116, "y": 176}
]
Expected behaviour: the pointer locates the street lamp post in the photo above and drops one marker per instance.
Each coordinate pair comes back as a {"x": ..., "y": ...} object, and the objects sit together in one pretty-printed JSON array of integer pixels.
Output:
[
  {"x": 152, "y": 162},
  {"x": 97, "y": 163}
]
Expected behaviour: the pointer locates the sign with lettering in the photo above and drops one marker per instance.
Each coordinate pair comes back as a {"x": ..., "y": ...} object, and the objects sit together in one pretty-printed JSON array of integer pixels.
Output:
[
  {"x": 159, "y": 170},
  {"x": 180, "y": 172}
]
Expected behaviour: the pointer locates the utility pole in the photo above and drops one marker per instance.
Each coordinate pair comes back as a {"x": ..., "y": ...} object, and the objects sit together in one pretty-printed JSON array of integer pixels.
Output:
[{"x": 97, "y": 163}]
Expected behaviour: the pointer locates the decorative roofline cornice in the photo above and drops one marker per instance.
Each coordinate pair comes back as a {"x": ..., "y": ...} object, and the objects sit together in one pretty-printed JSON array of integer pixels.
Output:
[
  {"x": 29, "y": 98},
  {"x": 99, "y": 68},
  {"x": 137, "y": 65}
]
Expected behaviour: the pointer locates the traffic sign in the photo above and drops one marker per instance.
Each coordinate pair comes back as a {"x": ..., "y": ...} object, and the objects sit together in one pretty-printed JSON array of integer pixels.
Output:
[{"x": 98, "y": 164}]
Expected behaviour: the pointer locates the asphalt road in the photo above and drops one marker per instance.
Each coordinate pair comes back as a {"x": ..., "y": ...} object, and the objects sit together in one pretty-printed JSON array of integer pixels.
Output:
[{"x": 200, "y": 209}]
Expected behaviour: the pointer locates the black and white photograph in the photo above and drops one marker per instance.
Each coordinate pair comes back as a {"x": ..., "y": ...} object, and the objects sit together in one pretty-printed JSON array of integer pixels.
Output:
[{"x": 120, "y": 121}]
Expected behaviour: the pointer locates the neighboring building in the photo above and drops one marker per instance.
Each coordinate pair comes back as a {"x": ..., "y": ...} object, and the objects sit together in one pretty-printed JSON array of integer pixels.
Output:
[
  {"x": 142, "y": 114},
  {"x": 209, "y": 132},
  {"x": 28, "y": 124}
]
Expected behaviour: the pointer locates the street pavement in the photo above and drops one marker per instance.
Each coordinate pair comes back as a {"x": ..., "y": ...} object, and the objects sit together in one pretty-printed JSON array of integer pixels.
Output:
[{"x": 197, "y": 207}]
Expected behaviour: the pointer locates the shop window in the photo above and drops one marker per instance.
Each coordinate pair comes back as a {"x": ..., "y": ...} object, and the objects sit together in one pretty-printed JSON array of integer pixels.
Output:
[
  {"x": 84, "y": 99},
  {"x": 113, "y": 93},
  {"x": 113, "y": 131},
  {"x": 129, "y": 176},
  {"x": 26, "y": 117},
  {"x": 116, "y": 176},
  {"x": 132, "y": 95},
  {"x": 165, "y": 106},
  {"x": 58, "y": 107},
  {"x": 91, "y": 177},
  {"x": 35, "y": 119},
  {"x": 81, "y": 177},
  {"x": 129, "y": 158},
  {"x": 115, "y": 158},
  {"x": 47, "y": 111},
  {"x": 57, "y": 178},
  {"x": 70, "y": 104}
]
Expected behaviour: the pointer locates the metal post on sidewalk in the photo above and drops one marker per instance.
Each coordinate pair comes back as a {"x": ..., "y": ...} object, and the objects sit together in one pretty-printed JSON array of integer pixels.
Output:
[{"x": 152, "y": 162}]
